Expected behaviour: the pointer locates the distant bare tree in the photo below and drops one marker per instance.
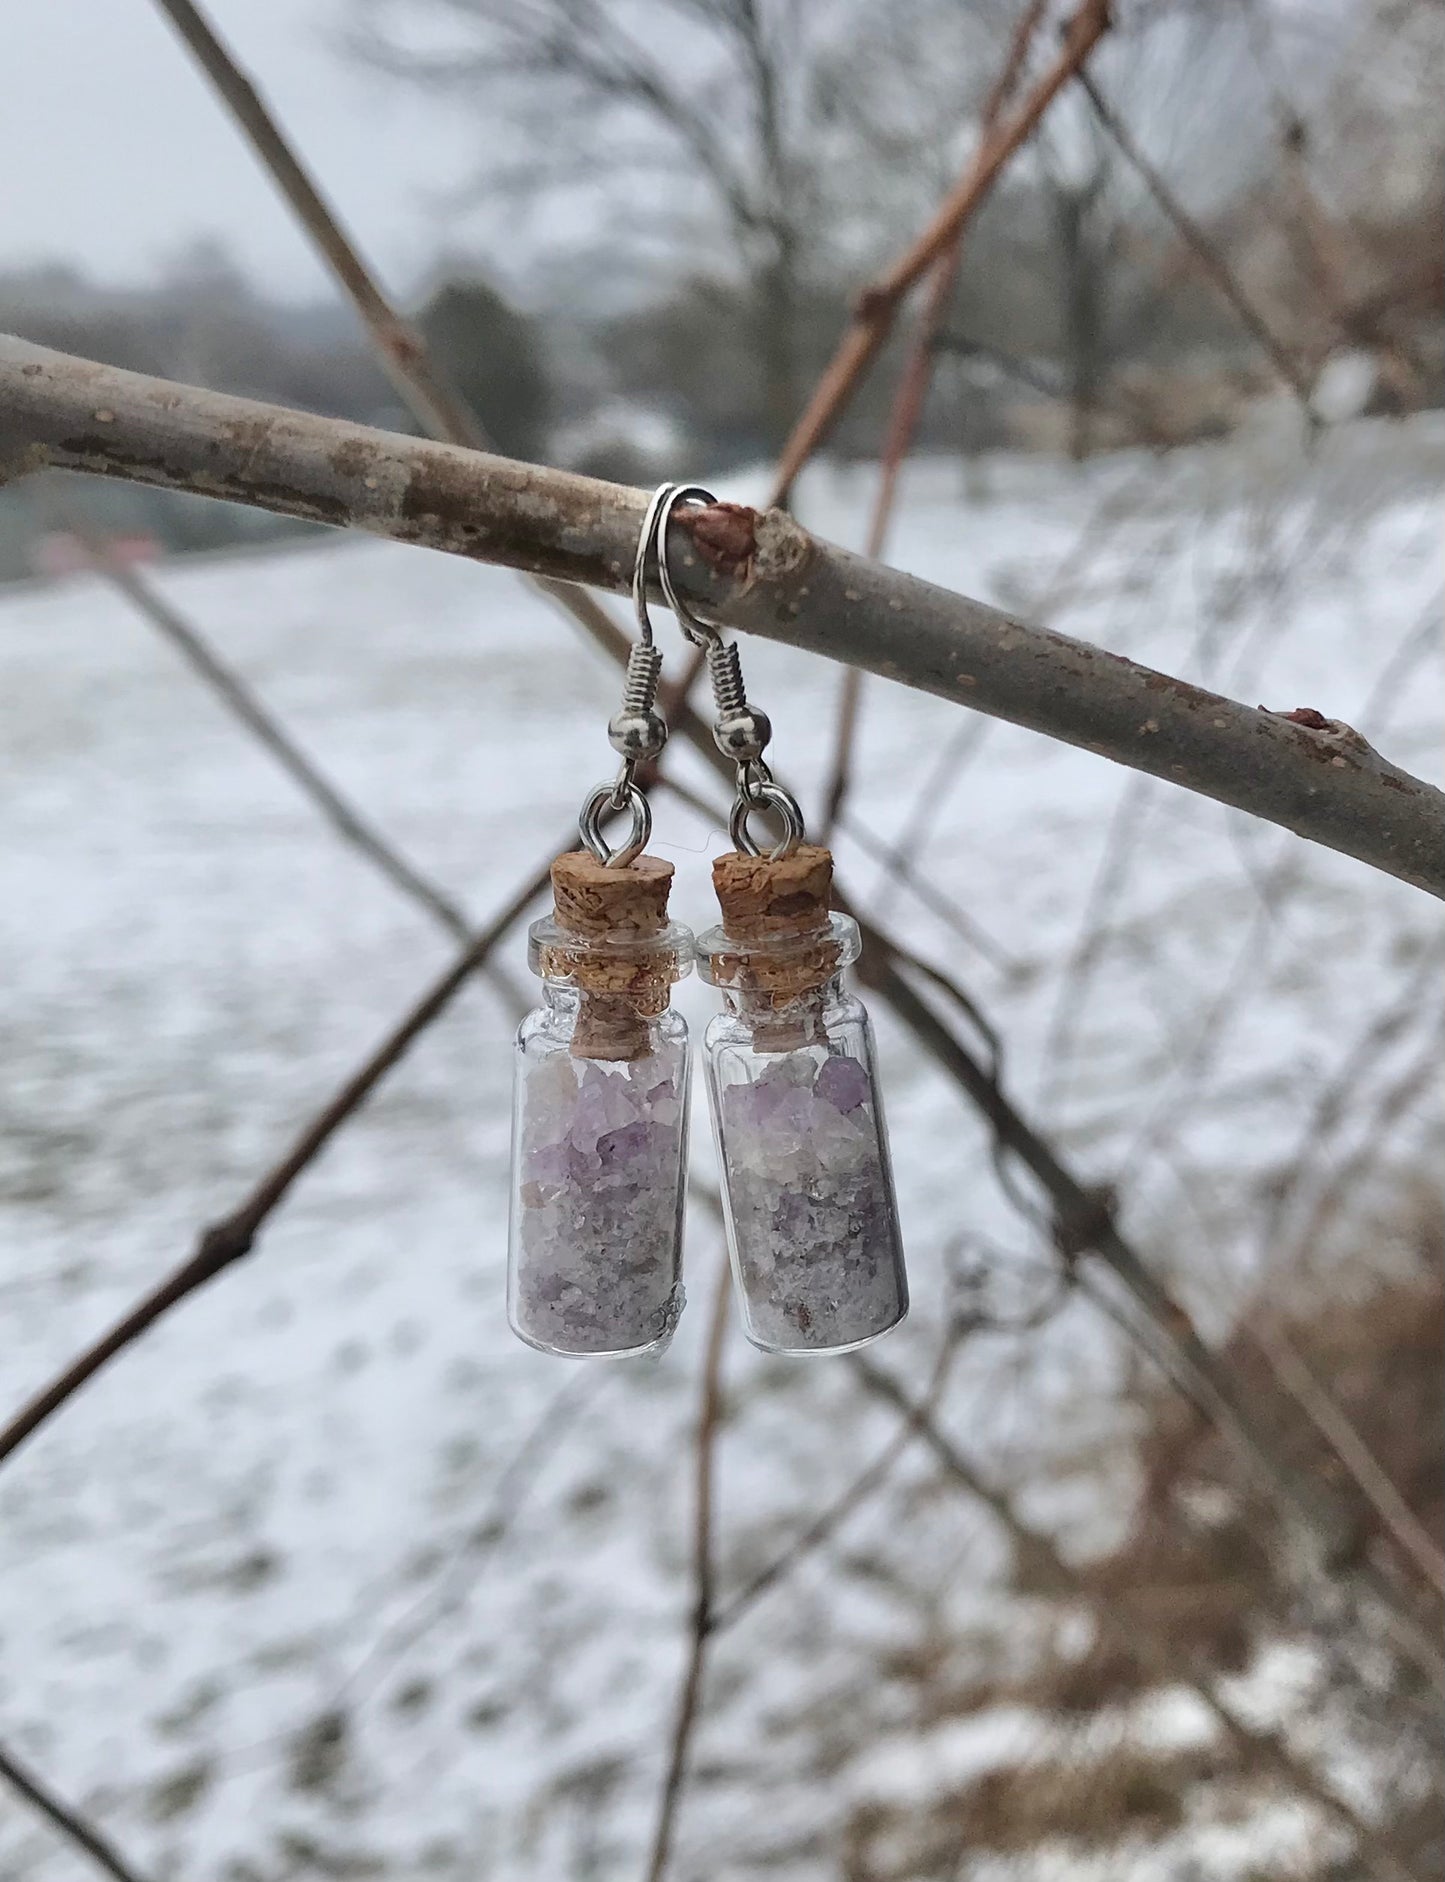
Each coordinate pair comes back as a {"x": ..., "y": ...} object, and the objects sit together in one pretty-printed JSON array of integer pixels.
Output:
[{"x": 727, "y": 132}]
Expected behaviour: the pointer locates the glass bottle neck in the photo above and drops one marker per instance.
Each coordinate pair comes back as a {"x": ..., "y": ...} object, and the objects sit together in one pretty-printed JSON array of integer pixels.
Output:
[{"x": 790, "y": 1026}]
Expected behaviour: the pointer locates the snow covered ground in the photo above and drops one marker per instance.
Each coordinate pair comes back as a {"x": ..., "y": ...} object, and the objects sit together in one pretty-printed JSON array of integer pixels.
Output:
[{"x": 330, "y": 1575}]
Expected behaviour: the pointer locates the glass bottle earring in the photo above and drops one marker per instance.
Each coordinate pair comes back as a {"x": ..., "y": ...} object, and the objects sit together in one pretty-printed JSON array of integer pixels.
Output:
[
  {"x": 807, "y": 1181},
  {"x": 599, "y": 1125}
]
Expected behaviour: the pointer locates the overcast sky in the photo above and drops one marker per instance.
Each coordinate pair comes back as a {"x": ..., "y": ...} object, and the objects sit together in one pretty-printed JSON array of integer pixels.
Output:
[{"x": 115, "y": 155}]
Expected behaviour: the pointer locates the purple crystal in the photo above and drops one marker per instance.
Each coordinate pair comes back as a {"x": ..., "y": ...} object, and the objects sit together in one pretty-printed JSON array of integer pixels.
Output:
[
  {"x": 811, "y": 1205},
  {"x": 843, "y": 1083},
  {"x": 598, "y": 1206}
]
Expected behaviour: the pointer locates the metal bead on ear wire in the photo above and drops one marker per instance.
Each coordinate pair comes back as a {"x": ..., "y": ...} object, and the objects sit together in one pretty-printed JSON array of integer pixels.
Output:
[
  {"x": 806, "y": 1177},
  {"x": 599, "y": 1134}
]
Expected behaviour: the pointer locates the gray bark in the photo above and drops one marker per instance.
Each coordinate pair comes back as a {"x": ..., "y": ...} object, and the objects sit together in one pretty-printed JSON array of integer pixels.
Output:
[{"x": 758, "y": 574}]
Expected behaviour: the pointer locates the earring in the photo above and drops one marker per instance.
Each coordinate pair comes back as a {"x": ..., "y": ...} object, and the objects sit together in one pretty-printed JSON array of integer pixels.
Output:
[
  {"x": 599, "y": 1121},
  {"x": 807, "y": 1182}
]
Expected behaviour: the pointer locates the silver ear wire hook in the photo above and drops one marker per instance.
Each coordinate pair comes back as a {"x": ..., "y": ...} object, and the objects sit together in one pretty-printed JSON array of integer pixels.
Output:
[
  {"x": 638, "y": 731},
  {"x": 701, "y": 633},
  {"x": 658, "y": 508},
  {"x": 741, "y": 731}
]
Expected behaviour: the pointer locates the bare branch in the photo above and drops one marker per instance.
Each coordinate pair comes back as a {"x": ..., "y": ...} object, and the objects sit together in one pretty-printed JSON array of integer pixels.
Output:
[
  {"x": 435, "y": 405},
  {"x": 703, "y": 1576},
  {"x": 934, "y": 899},
  {"x": 908, "y": 403},
  {"x": 879, "y": 302},
  {"x": 759, "y": 574},
  {"x": 70, "y": 1823},
  {"x": 1205, "y": 252},
  {"x": 228, "y": 686},
  {"x": 831, "y": 1519},
  {"x": 1051, "y": 1568},
  {"x": 234, "y": 1236},
  {"x": 1334, "y": 1424},
  {"x": 1083, "y": 1225}
]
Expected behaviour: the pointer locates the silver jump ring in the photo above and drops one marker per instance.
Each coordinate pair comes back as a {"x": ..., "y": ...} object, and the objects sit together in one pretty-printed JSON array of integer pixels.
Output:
[
  {"x": 701, "y": 633},
  {"x": 753, "y": 778},
  {"x": 767, "y": 796},
  {"x": 589, "y": 825},
  {"x": 622, "y": 785}
]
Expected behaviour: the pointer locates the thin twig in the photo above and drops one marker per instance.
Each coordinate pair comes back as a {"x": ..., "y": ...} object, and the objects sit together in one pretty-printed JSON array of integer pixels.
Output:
[
  {"x": 704, "y": 1571},
  {"x": 453, "y": 1582},
  {"x": 909, "y": 399},
  {"x": 934, "y": 899},
  {"x": 1422, "y": 1076},
  {"x": 1334, "y": 1424},
  {"x": 69, "y": 1822},
  {"x": 234, "y": 1236},
  {"x": 828, "y": 1522},
  {"x": 344, "y": 818},
  {"x": 877, "y": 306},
  {"x": 835, "y": 386},
  {"x": 1084, "y": 1224},
  {"x": 1331, "y": 1102},
  {"x": 1130, "y": 1627},
  {"x": 1204, "y": 251}
]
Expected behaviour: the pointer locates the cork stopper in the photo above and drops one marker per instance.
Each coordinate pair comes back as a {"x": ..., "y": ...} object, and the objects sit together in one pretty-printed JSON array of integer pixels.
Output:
[
  {"x": 620, "y": 990},
  {"x": 605, "y": 904},
  {"x": 761, "y": 898},
  {"x": 773, "y": 911}
]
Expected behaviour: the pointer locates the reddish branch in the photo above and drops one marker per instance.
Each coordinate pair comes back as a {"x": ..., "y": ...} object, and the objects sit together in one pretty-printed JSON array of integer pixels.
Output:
[
  {"x": 909, "y": 400},
  {"x": 878, "y": 304}
]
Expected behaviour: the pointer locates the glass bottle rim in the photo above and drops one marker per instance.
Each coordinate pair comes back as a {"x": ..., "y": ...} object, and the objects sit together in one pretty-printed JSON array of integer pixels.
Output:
[
  {"x": 672, "y": 947},
  {"x": 840, "y": 935}
]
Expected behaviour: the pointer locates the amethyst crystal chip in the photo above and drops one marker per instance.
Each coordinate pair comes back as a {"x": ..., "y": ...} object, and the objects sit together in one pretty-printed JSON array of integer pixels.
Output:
[
  {"x": 811, "y": 1204},
  {"x": 598, "y": 1203}
]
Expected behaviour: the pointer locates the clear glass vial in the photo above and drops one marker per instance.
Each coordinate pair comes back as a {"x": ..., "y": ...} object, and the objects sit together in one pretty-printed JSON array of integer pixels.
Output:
[
  {"x": 599, "y": 1125},
  {"x": 812, "y": 1221}
]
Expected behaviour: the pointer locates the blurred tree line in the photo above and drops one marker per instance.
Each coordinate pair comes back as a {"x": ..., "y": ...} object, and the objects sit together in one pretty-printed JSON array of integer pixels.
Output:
[{"x": 732, "y": 171}]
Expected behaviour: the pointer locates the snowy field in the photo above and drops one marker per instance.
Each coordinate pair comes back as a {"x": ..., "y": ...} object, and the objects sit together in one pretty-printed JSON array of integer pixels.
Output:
[{"x": 331, "y": 1576}]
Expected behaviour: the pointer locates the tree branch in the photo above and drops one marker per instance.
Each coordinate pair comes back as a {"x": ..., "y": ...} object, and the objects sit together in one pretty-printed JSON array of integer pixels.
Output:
[
  {"x": 758, "y": 574},
  {"x": 423, "y": 388},
  {"x": 1084, "y": 1224},
  {"x": 879, "y": 302},
  {"x": 348, "y": 823},
  {"x": 69, "y": 1822},
  {"x": 234, "y": 1236},
  {"x": 909, "y": 398},
  {"x": 1204, "y": 251},
  {"x": 689, "y": 1694},
  {"x": 1039, "y": 1553}
]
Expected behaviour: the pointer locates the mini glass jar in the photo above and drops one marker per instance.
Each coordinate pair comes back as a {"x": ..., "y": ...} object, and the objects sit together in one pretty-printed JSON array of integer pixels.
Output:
[
  {"x": 599, "y": 1128},
  {"x": 812, "y": 1221}
]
